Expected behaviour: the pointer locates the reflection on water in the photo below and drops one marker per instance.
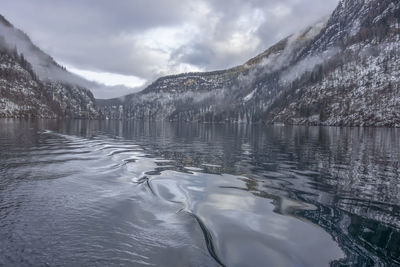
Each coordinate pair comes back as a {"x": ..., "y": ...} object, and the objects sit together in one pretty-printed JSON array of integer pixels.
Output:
[{"x": 126, "y": 193}]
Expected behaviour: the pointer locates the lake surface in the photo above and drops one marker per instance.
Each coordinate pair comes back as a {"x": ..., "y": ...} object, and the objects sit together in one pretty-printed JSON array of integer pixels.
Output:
[{"x": 80, "y": 193}]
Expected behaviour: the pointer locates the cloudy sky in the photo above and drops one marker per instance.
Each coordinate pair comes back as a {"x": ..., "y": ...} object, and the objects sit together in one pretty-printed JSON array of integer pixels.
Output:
[{"x": 132, "y": 42}]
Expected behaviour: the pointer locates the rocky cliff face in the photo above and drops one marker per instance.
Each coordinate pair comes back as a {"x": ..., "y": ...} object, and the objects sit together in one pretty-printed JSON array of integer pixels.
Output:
[
  {"x": 32, "y": 84},
  {"x": 342, "y": 71}
]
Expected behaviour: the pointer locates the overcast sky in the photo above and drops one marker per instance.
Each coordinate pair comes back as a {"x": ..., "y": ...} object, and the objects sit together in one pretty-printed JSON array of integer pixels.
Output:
[{"x": 132, "y": 42}]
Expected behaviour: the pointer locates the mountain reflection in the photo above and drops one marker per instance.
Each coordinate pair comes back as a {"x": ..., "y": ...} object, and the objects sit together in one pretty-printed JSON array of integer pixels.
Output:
[
  {"x": 350, "y": 175},
  {"x": 343, "y": 180}
]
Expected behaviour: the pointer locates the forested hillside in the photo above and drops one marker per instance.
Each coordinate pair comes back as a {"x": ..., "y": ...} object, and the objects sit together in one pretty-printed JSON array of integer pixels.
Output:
[{"x": 32, "y": 84}]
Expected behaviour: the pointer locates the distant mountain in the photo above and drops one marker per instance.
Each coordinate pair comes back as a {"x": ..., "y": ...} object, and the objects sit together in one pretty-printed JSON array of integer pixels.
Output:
[
  {"x": 32, "y": 84},
  {"x": 343, "y": 71}
]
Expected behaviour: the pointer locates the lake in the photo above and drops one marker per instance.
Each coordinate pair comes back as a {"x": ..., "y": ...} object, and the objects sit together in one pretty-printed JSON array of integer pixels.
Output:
[{"x": 108, "y": 193}]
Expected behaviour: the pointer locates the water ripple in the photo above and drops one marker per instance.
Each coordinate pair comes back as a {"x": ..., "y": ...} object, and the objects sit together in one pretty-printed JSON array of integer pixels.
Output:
[{"x": 87, "y": 194}]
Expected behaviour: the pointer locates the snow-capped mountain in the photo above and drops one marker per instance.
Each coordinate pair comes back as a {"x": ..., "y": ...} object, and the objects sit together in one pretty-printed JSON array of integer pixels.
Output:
[
  {"x": 344, "y": 70},
  {"x": 32, "y": 84}
]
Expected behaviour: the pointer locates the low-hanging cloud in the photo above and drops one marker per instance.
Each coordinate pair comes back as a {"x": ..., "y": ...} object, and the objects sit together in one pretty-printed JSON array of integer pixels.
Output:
[{"x": 307, "y": 65}]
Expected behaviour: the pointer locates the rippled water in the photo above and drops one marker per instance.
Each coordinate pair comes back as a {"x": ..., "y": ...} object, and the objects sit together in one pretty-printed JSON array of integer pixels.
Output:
[{"x": 108, "y": 193}]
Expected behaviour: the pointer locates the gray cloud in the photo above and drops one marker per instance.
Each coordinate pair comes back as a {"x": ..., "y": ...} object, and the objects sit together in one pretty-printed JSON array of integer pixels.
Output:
[
  {"x": 198, "y": 54},
  {"x": 149, "y": 38}
]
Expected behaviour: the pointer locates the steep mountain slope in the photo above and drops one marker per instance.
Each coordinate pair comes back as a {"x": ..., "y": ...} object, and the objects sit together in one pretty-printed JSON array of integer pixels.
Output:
[
  {"x": 343, "y": 71},
  {"x": 359, "y": 85},
  {"x": 37, "y": 85},
  {"x": 21, "y": 93}
]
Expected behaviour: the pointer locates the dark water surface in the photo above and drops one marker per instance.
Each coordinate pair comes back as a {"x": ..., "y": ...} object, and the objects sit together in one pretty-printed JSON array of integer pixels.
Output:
[{"x": 110, "y": 193}]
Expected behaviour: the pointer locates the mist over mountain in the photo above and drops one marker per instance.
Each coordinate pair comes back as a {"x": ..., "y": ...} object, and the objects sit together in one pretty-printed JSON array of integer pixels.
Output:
[
  {"x": 32, "y": 84},
  {"x": 43, "y": 64},
  {"x": 341, "y": 71}
]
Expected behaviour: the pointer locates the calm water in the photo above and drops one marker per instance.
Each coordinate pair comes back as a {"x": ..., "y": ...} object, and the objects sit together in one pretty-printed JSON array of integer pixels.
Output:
[{"x": 110, "y": 193}]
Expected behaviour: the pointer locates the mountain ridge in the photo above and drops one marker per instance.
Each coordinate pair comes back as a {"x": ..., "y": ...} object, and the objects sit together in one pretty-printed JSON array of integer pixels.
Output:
[{"x": 312, "y": 77}]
